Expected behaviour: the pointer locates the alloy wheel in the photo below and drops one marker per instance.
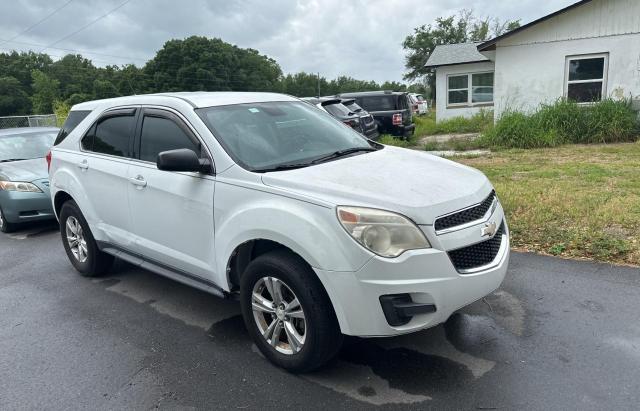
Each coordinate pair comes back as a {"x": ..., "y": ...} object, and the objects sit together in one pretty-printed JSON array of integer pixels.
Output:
[
  {"x": 278, "y": 315},
  {"x": 1, "y": 220},
  {"x": 76, "y": 240}
]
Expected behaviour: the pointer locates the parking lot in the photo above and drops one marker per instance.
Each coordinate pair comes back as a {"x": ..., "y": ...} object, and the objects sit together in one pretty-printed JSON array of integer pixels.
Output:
[{"x": 557, "y": 335}]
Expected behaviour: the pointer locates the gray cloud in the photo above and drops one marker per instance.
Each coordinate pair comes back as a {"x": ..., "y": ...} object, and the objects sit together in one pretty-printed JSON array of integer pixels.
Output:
[{"x": 357, "y": 38}]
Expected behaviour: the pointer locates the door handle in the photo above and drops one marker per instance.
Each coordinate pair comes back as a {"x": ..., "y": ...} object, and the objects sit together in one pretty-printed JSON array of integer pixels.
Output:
[
  {"x": 138, "y": 181},
  {"x": 83, "y": 165}
]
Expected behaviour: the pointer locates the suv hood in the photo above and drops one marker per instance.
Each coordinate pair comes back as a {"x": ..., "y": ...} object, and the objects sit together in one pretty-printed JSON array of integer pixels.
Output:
[
  {"x": 418, "y": 185},
  {"x": 24, "y": 170}
]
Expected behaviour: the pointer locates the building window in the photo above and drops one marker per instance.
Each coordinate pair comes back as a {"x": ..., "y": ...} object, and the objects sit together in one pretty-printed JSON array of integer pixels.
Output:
[
  {"x": 586, "y": 78},
  {"x": 470, "y": 89}
]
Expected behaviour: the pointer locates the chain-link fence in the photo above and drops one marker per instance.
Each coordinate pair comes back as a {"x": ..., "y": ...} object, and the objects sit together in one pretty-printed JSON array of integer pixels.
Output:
[{"x": 46, "y": 120}]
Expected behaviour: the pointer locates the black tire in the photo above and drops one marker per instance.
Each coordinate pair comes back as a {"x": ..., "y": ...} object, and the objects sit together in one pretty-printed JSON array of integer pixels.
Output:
[
  {"x": 5, "y": 226},
  {"x": 323, "y": 337},
  {"x": 97, "y": 262}
]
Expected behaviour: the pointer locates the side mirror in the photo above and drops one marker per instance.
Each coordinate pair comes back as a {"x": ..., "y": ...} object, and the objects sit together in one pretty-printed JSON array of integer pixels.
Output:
[{"x": 182, "y": 159}]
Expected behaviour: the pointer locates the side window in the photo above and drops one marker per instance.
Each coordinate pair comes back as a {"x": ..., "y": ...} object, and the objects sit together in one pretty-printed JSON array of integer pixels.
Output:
[
  {"x": 161, "y": 134},
  {"x": 111, "y": 136},
  {"x": 72, "y": 121},
  {"x": 586, "y": 78}
]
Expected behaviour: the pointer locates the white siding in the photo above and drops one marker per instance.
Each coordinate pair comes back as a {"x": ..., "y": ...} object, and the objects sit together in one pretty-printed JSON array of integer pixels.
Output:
[
  {"x": 530, "y": 66},
  {"x": 599, "y": 18},
  {"x": 442, "y": 112}
]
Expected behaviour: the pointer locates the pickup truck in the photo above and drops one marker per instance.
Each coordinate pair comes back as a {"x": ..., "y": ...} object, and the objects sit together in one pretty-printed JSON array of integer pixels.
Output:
[{"x": 391, "y": 110}]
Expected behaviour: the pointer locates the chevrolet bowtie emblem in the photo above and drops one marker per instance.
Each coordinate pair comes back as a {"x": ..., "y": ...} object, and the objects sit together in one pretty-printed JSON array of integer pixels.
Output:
[{"x": 489, "y": 229}]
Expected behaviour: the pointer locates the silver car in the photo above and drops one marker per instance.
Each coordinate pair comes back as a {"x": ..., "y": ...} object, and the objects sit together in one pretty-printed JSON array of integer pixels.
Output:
[{"x": 24, "y": 179}]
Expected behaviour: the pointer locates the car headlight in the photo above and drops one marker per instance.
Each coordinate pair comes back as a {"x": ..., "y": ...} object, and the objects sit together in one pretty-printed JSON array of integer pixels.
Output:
[
  {"x": 19, "y": 186},
  {"x": 382, "y": 232}
]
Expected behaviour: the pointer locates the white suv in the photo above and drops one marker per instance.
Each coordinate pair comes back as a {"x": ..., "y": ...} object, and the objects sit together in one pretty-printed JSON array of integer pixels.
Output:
[{"x": 318, "y": 231}]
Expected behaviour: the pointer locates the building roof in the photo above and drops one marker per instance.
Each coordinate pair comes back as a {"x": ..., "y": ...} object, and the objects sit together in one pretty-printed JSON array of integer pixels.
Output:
[
  {"x": 453, "y": 54},
  {"x": 490, "y": 45}
]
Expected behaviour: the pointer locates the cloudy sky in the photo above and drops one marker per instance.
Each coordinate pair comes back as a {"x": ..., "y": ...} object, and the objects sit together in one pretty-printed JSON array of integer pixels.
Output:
[{"x": 357, "y": 38}]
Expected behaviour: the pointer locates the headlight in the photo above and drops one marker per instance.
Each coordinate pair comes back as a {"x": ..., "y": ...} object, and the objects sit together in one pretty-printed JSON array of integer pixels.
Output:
[
  {"x": 382, "y": 232},
  {"x": 19, "y": 186}
]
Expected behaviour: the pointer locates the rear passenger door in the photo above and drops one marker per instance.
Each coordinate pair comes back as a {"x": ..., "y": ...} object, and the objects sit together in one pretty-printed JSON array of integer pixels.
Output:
[
  {"x": 172, "y": 212},
  {"x": 102, "y": 166}
]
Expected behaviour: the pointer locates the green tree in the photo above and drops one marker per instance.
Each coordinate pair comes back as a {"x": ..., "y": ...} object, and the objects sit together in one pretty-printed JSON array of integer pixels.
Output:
[
  {"x": 13, "y": 99},
  {"x": 61, "y": 110},
  {"x": 448, "y": 30},
  {"x": 199, "y": 63},
  {"x": 45, "y": 92},
  {"x": 20, "y": 66},
  {"x": 104, "y": 89}
]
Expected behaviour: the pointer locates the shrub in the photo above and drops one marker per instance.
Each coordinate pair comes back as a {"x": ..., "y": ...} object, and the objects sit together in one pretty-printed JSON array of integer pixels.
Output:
[{"x": 564, "y": 122}]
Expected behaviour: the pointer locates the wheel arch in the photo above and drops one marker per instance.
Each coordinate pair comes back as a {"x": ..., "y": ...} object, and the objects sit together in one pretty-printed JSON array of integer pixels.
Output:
[
  {"x": 246, "y": 252},
  {"x": 59, "y": 199}
]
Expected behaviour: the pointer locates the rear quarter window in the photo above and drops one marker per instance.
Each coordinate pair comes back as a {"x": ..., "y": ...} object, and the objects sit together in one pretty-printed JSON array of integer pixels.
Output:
[{"x": 72, "y": 121}]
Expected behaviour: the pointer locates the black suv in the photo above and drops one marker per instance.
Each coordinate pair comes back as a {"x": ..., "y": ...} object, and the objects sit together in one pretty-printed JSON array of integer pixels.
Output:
[{"x": 391, "y": 110}]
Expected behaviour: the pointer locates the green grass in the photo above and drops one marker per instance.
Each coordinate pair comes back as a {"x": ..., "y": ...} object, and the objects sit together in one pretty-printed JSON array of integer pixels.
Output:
[
  {"x": 579, "y": 201},
  {"x": 427, "y": 126},
  {"x": 390, "y": 140}
]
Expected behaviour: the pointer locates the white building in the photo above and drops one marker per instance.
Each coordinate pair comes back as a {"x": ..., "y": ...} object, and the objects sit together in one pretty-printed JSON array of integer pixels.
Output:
[{"x": 585, "y": 52}]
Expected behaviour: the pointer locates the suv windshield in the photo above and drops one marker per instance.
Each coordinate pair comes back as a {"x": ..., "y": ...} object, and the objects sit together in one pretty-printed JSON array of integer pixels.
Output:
[
  {"x": 26, "y": 146},
  {"x": 277, "y": 135}
]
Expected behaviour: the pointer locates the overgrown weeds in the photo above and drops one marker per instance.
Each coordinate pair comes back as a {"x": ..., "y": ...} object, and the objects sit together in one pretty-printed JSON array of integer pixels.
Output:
[{"x": 564, "y": 122}]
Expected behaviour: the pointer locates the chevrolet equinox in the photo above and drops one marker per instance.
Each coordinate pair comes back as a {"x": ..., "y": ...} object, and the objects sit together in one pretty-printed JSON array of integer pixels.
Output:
[{"x": 318, "y": 232}]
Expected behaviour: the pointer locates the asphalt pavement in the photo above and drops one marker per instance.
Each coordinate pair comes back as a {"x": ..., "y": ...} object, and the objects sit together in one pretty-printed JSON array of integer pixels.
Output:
[{"x": 559, "y": 335}]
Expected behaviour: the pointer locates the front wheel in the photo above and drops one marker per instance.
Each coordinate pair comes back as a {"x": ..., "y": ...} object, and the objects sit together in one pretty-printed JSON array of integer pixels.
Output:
[
  {"x": 81, "y": 247},
  {"x": 288, "y": 313},
  {"x": 5, "y": 226}
]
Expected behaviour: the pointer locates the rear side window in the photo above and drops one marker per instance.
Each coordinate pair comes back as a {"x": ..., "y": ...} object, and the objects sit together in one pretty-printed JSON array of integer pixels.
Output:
[
  {"x": 377, "y": 103},
  {"x": 111, "y": 136},
  {"x": 72, "y": 121},
  {"x": 161, "y": 134}
]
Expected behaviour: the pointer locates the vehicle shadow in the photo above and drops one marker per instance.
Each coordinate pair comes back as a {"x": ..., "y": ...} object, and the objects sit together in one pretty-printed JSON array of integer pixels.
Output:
[{"x": 439, "y": 361}]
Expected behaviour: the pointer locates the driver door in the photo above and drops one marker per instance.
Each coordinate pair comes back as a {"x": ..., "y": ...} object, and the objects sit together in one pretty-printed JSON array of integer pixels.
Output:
[{"x": 171, "y": 212}]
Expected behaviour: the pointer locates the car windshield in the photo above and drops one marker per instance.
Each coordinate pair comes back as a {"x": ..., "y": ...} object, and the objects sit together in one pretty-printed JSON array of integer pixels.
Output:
[
  {"x": 25, "y": 146},
  {"x": 273, "y": 135}
]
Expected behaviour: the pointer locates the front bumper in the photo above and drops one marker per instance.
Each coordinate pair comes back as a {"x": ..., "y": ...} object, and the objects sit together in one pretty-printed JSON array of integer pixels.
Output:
[
  {"x": 427, "y": 276},
  {"x": 19, "y": 207}
]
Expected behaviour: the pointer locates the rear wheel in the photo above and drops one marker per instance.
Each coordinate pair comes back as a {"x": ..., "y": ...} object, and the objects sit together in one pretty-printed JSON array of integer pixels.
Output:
[
  {"x": 288, "y": 313},
  {"x": 81, "y": 247},
  {"x": 5, "y": 226}
]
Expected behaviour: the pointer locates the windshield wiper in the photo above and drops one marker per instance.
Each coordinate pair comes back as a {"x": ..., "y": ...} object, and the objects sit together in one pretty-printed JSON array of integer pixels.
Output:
[
  {"x": 12, "y": 159},
  {"x": 342, "y": 153},
  {"x": 281, "y": 167}
]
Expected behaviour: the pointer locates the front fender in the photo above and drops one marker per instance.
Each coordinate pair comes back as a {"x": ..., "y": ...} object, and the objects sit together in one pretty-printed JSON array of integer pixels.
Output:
[{"x": 311, "y": 231}]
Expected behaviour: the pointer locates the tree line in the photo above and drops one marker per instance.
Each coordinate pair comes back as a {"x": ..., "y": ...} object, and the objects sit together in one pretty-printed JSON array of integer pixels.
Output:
[{"x": 33, "y": 83}]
